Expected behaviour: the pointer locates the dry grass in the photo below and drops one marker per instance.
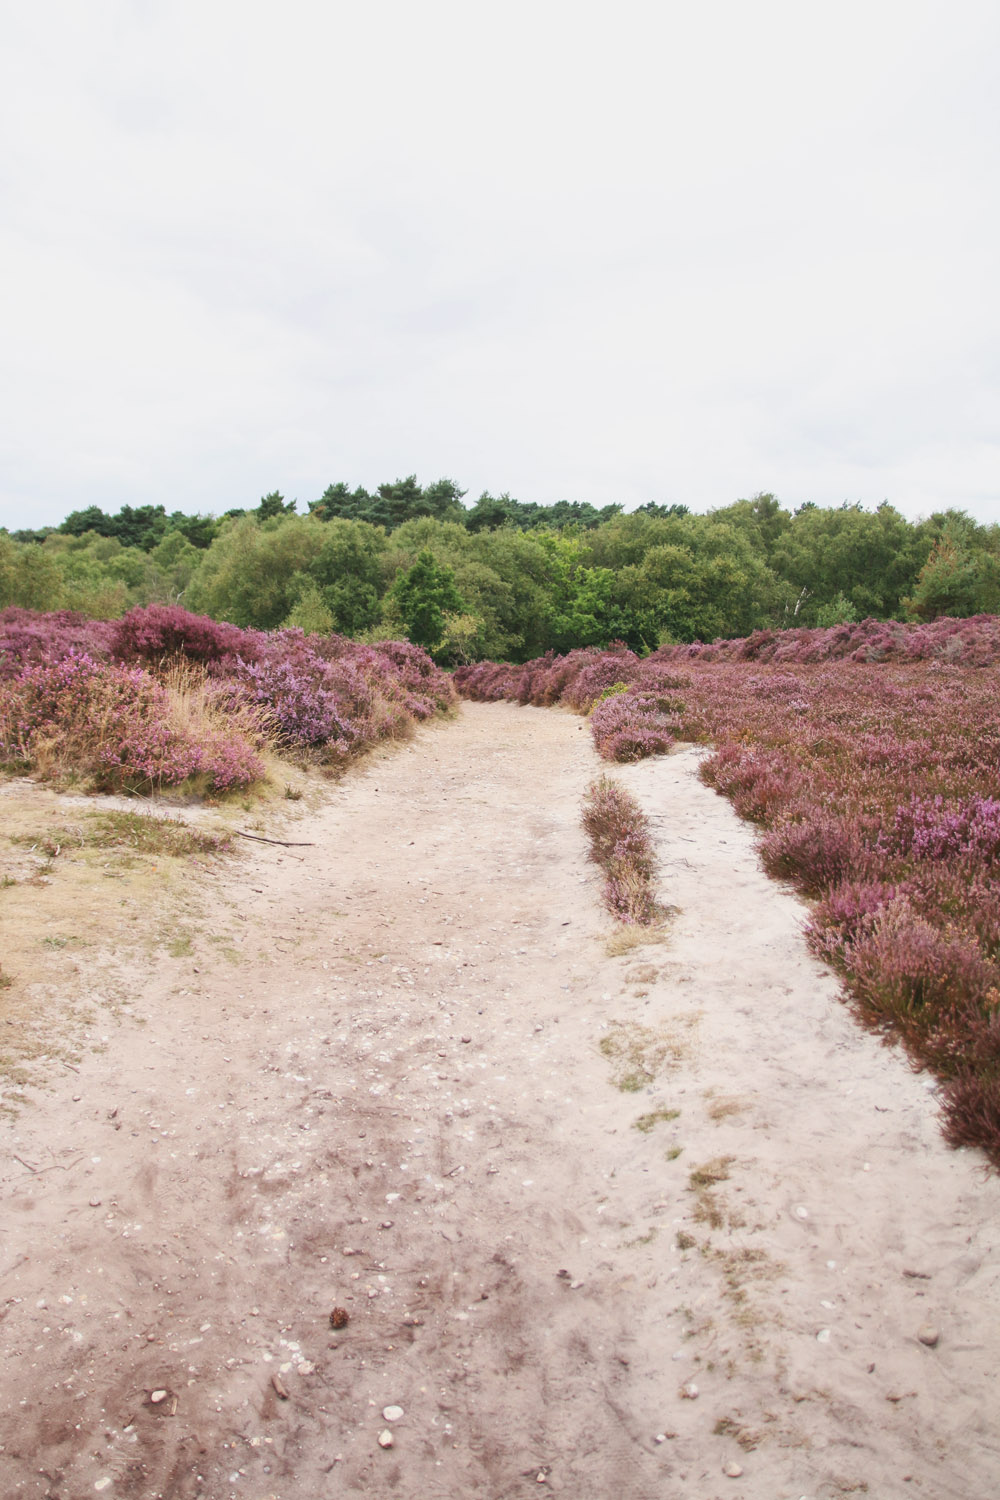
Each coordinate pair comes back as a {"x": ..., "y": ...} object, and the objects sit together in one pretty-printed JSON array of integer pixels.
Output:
[
  {"x": 724, "y": 1106},
  {"x": 646, "y": 1123},
  {"x": 624, "y": 939},
  {"x": 638, "y": 1054},
  {"x": 710, "y": 1173},
  {"x": 78, "y": 883}
]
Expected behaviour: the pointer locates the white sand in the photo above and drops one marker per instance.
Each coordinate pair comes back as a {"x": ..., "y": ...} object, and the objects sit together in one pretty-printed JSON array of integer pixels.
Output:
[{"x": 406, "y": 1064}]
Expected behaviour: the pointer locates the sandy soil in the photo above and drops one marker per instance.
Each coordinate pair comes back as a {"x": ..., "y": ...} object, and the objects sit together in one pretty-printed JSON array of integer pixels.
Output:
[{"x": 659, "y": 1225}]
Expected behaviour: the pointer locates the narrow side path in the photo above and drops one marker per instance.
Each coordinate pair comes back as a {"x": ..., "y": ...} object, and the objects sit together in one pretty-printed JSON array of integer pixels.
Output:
[{"x": 396, "y": 1096}]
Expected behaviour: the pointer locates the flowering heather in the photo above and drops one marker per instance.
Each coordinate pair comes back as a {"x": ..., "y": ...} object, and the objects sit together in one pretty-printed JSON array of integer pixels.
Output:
[
  {"x": 868, "y": 755},
  {"x": 26, "y": 636},
  {"x": 114, "y": 725},
  {"x": 165, "y": 630},
  {"x": 621, "y": 845},
  {"x": 335, "y": 696},
  {"x": 152, "y": 726},
  {"x": 973, "y": 642},
  {"x": 632, "y": 726}
]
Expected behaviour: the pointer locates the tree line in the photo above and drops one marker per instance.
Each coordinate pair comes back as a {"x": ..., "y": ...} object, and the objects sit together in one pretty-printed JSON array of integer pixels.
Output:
[{"x": 506, "y": 579}]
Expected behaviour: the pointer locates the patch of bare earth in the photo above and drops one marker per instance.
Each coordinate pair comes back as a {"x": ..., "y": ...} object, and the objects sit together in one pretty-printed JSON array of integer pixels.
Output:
[{"x": 658, "y": 1225}]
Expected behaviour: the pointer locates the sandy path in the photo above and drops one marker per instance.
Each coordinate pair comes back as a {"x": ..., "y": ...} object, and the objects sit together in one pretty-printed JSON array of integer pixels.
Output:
[{"x": 397, "y": 1103}]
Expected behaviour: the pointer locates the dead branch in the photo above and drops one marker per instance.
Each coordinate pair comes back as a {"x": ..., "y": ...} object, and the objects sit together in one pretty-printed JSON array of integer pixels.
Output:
[{"x": 285, "y": 843}]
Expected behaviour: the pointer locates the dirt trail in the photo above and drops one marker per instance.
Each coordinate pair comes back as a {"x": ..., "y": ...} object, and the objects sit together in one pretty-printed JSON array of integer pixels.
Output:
[{"x": 401, "y": 1102}]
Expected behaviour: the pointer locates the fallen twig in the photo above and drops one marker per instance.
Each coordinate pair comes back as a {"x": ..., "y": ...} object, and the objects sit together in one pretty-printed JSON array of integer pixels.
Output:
[
  {"x": 285, "y": 843},
  {"x": 23, "y": 1162}
]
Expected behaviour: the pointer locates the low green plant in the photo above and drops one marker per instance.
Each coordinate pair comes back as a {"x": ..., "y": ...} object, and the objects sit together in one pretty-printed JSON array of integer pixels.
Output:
[{"x": 646, "y": 1123}]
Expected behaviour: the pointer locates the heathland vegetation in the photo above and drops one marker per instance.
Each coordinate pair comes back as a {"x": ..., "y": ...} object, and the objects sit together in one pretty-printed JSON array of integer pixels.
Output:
[
  {"x": 163, "y": 698},
  {"x": 841, "y": 665},
  {"x": 868, "y": 757},
  {"x": 505, "y": 579}
]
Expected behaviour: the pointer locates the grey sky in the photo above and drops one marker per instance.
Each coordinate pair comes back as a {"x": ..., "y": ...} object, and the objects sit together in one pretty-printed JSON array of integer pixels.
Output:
[{"x": 609, "y": 252}]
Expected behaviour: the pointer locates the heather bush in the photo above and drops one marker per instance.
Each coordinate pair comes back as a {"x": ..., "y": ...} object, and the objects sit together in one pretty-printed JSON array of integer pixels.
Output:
[
  {"x": 761, "y": 782},
  {"x": 844, "y": 914},
  {"x": 325, "y": 695},
  {"x": 165, "y": 631},
  {"x": 923, "y": 983},
  {"x": 620, "y": 843},
  {"x": 630, "y": 726},
  {"x": 601, "y": 671},
  {"x": 930, "y": 829},
  {"x": 27, "y": 637},
  {"x": 115, "y": 726},
  {"x": 815, "y": 851},
  {"x": 973, "y": 642},
  {"x": 970, "y": 1105}
]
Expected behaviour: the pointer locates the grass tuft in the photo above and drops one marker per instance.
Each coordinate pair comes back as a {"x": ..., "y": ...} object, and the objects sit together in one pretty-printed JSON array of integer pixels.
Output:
[{"x": 646, "y": 1123}]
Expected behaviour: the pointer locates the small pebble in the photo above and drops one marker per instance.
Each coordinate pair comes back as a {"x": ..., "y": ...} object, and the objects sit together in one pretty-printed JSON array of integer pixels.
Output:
[
  {"x": 800, "y": 1211},
  {"x": 928, "y": 1334},
  {"x": 102, "y": 1484},
  {"x": 733, "y": 1470},
  {"x": 823, "y": 1337},
  {"x": 157, "y": 1396},
  {"x": 95, "y": 1202},
  {"x": 689, "y": 1391},
  {"x": 386, "y": 1439},
  {"x": 392, "y": 1413}
]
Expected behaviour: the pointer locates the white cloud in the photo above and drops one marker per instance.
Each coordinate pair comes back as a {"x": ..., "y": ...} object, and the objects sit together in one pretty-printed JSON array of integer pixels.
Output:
[{"x": 641, "y": 251}]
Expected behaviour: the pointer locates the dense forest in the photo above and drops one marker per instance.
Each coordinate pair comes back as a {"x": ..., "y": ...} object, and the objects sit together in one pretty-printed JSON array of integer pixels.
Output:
[{"x": 506, "y": 579}]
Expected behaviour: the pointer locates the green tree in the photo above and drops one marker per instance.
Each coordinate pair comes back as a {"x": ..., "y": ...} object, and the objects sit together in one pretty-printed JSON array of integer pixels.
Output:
[
  {"x": 272, "y": 506},
  {"x": 393, "y": 504},
  {"x": 174, "y": 561},
  {"x": 426, "y": 594},
  {"x": 956, "y": 580},
  {"x": 762, "y": 519},
  {"x": 871, "y": 558},
  {"x": 840, "y": 611},
  {"x": 346, "y": 570},
  {"x": 310, "y": 613},
  {"x": 30, "y": 577},
  {"x": 252, "y": 575}
]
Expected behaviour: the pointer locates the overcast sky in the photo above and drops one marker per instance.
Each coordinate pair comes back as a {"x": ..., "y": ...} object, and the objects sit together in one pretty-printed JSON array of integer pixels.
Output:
[{"x": 615, "y": 251}]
